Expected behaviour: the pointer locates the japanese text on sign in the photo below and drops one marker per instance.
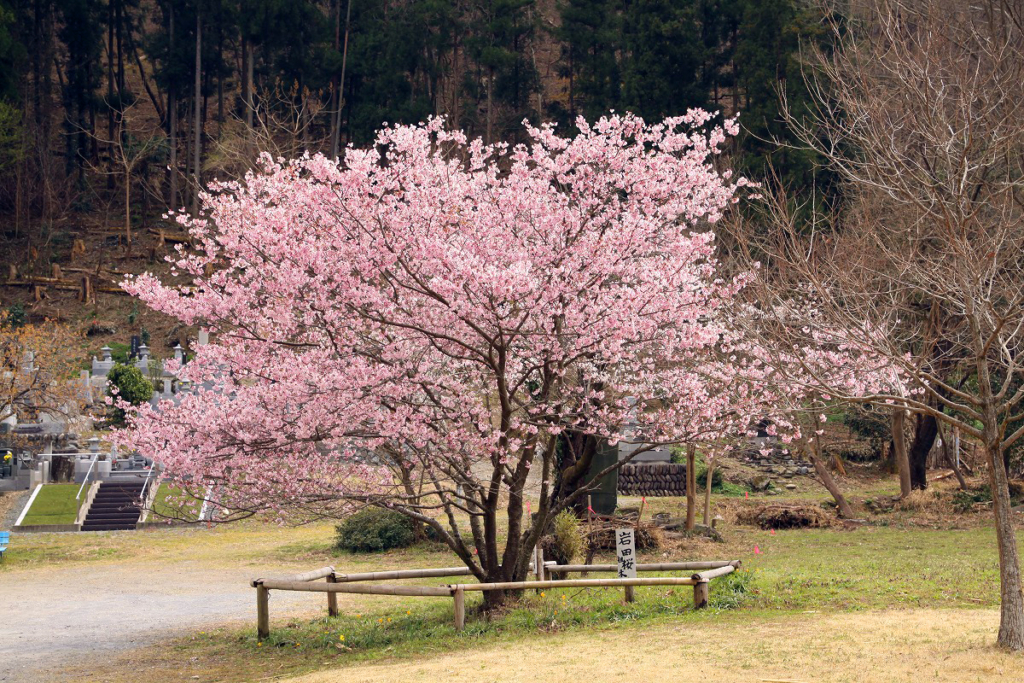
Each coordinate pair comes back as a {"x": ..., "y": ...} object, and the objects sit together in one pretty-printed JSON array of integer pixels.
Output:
[{"x": 625, "y": 550}]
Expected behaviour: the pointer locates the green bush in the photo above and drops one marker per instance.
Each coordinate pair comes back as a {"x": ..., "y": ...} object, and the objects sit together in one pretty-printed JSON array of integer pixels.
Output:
[
  {"x": 373, "y": 529},
  {"x": 15, "y": 316},
  {"x": 569, "y": 541},
  {"x": 131, "y": 385}
]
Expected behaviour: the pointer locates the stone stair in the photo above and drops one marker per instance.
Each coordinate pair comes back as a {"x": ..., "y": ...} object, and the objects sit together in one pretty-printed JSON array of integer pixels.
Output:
[{"x": 115, "y": 507}]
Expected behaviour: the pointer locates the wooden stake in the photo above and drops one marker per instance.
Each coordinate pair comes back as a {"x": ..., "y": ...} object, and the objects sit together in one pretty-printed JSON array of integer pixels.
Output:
[
  {"x": 700, "y": 594},
  {"x": 630, "y": 595},
  {"x": 691, "y": 486},
  {"x": 538, "y": 564},
  {"x": 87, "y": 294},
  {"x": 460, "y": 609},
  {"x": 332, "y": 599},
  {"x": 262, "y": 613}
]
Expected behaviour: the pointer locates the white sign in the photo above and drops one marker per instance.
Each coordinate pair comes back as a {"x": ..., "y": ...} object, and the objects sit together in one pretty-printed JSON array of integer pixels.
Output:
[{"x": 625, "y": 550}]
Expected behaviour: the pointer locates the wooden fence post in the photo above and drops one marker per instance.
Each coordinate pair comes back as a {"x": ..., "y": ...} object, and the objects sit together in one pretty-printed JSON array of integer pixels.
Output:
[
  {"x": 262, "y": 612},
  {"x": 332, "y": 599},
  {"x": 538, "y": 564},
  {"x": 460, "y": 609},
  {"x": 700, "y": 594},
  {"x": 630, "y": 596}
]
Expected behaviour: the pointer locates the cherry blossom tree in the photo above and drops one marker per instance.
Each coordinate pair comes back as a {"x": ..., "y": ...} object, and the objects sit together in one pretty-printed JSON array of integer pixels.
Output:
[{"x": 416, "y": 326}]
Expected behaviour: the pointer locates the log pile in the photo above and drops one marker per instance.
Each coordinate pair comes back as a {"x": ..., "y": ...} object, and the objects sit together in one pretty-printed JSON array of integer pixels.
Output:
[{"x": 652, "y": 479}]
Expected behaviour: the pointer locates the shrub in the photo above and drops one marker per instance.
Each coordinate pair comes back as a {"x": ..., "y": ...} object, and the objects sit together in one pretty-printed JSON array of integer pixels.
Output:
[
  {"x": 963, "y": 501},
  {"x": 131, "y": 385},
  {"x": 569, "y": 540},
  {"x": 373, "y": 529},
  {"x": 15, "y": 316}
]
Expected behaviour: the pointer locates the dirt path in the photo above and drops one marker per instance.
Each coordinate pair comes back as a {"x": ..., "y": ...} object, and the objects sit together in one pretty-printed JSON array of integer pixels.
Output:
[
  {"x": 868, "y": 647},
  {"x": 52, "y": 618}
]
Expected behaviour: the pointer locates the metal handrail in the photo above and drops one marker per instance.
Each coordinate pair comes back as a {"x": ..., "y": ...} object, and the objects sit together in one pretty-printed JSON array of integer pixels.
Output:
[
  {"x": 142, "y": 495},
  {"x": 91, "y": 465}
]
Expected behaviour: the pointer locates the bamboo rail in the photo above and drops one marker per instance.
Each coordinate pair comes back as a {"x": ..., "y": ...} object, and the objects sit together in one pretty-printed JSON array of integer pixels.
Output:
[
  {"x": 375, "y": 589},
  {"x": 348, "y": 583},
  {"x": 640, "y": 567},
  {"x": 404, "y": 574},
  {"x": 577, "y": 583}
]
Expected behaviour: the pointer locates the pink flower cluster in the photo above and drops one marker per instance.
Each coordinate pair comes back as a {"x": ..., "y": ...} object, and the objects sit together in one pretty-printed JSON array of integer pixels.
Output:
[{"x": 432, "y": 308}]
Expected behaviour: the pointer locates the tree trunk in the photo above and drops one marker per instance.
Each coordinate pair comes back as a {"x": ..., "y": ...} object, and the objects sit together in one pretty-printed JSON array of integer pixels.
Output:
[
  {"x": 925, "y": 430},
  {"x": 110, "y": 92},
  {"x": 900, "y": 447},
  {"x": 490, "y": 106},
  {"x": 128, "y": 207},
  {"x": 707, "y": 492},
  {"x": 250, "y": 85},
  {"x": 172, "y": 127},
  {"x": 845, "y": 511},
  {"x": 691, "y": 486},
  {"x": 197, "y": 132},
  {"x": 1011, "y": 605},
  {"x": 951, "y": 461}
]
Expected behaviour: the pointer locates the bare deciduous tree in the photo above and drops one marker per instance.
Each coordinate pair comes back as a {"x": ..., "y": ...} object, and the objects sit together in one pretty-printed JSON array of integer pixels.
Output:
[{"x": 920, "y": 111}]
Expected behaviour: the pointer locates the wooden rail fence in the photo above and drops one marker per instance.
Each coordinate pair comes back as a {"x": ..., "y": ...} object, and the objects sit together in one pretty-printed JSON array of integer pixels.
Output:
[{"x": 336, "y": 583}]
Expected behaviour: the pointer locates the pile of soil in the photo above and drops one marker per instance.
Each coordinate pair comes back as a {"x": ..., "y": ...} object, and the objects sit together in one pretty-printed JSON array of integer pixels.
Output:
[{"x": 782, "y": 516}]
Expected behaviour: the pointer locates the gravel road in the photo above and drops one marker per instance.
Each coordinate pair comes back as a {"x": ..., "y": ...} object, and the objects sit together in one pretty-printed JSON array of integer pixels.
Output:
[{"x": 51, "y": 618}]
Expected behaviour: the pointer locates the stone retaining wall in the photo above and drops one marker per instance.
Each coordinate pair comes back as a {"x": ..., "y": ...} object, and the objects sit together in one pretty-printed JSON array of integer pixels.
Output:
[{"x": 652, "y": 479}]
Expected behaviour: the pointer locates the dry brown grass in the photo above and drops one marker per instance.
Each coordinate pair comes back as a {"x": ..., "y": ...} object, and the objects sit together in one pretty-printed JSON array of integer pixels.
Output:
[
  {"x": 872, "y": 647},
  {"x": 933, "y": 499},
  {"x": 785, "y": 516}
]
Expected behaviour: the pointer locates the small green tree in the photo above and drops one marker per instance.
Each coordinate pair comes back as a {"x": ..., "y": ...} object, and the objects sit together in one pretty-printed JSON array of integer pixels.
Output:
[{"x": 128, "y": 383}]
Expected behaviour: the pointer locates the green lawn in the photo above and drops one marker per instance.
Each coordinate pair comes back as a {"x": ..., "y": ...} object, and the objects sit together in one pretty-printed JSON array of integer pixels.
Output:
[
  {"x": 794, "y": 572},
  {"x": 55, "y": 504},
  {"x": 170, "y": 505}
]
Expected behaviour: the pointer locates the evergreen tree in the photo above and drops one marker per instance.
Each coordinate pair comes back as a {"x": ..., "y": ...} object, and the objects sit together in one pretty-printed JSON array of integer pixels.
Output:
[
  {"x": 81, "y": 34},
  {"x": 664, "y": 56},
  {"x": 12, "y": 52},
  {"x": 591, "y": 38},
  {"x": 396, "y": 62},
  {"x": 504, "y": 77}
]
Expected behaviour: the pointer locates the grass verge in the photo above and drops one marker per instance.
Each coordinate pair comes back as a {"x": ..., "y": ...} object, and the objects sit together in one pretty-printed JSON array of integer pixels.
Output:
[{"x": 55, "y": 504}]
